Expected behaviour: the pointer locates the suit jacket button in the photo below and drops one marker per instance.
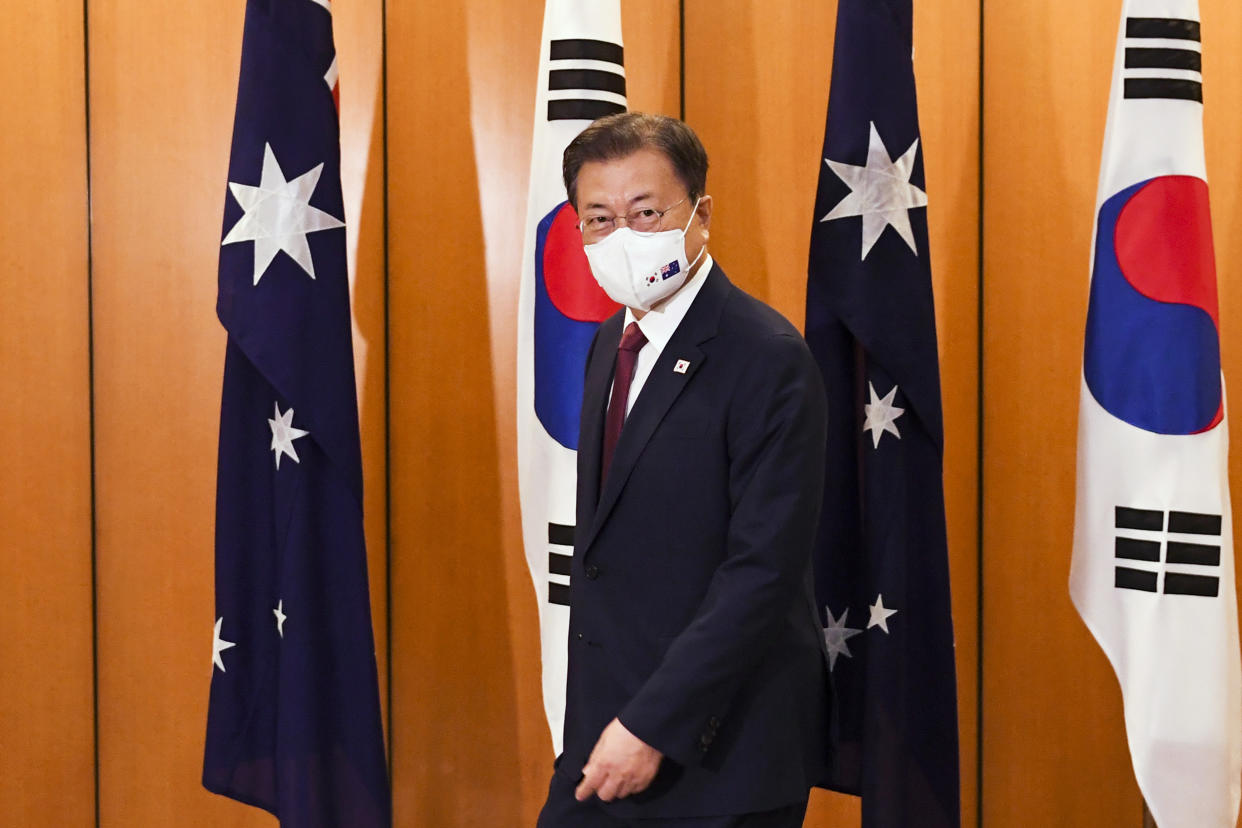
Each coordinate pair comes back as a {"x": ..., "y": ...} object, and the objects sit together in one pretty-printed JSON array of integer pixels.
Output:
[
  {"x": 579, "y": 636},
  {"x": 592, "y": 571}
]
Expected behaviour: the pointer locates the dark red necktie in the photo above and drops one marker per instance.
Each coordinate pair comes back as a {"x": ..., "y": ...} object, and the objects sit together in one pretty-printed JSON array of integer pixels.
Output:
[{"x": 632, "y": 342}]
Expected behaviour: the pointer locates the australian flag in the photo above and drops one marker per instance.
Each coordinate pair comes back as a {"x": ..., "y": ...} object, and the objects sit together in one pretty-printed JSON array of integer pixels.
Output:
[
  {"x": 293, "y": 725},
  {"x": 881, "y": 559}
]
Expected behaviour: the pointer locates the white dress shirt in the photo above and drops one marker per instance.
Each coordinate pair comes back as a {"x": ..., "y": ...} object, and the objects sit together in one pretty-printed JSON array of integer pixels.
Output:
[{"x": 658, "y": 326}]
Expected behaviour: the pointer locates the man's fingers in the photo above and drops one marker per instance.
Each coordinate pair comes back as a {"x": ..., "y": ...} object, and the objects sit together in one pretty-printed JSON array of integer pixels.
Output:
[
  {"x": 610, "y": 786},
  {"x": 639, "y": 783},
  {"x": 588, "y": 785},
  {"x": 610, "y": 789},
  {"x": 619, "y": 766},
  {"x": 607, "y": 786}
]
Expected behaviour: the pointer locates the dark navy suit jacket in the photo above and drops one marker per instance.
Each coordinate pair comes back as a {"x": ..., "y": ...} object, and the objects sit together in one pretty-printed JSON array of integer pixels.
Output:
[{"x": 692, "y": 613}]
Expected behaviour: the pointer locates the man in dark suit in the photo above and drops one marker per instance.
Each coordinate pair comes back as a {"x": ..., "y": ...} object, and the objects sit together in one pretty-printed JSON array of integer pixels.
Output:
[{"x": 697, "y": 685}]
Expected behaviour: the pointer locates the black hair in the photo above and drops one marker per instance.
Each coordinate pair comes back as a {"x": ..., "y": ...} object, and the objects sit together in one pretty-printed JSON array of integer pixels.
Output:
[{"x": 622, "y": 134}]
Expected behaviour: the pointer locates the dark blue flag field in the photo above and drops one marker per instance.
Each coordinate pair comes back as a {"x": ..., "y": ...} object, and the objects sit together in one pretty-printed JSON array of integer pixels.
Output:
[
  {"x": 293, "y": 725},
  {"x": 881, "y": 563}
]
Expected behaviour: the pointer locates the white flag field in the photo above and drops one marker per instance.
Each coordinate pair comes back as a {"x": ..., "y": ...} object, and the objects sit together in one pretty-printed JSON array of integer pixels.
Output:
[
  {"x": 1153, "y": 568},
  {"x": 560, "y": 306}
]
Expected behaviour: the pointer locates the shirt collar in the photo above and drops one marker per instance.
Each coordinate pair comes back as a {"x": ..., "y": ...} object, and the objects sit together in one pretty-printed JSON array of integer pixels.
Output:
[{"x": 659, "y": 325}]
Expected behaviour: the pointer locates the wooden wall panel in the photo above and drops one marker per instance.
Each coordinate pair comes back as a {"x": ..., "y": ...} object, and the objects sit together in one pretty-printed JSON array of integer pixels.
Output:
[
  {"x": 652, "y": 33},
  {"x": 159, "y": 156},
  {"x": 455, "y": 739},
  {"x": 163, "y": 87},
  {"x": 1052, "y": 711},
  {"x": 359, "y": 45},
  {"x": 1054, "y": 738},
  {"x": 757, "y": 78},
  {"x": 462, "y": 83},
  {"x": 46, "y": 698}
]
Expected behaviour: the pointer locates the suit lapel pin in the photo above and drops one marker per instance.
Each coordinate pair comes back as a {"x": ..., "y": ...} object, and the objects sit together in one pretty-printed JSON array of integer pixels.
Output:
[{"x": 682, "y": 366}]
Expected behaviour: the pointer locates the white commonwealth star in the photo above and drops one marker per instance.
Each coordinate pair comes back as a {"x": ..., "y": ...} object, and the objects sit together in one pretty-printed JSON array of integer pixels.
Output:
[
  {"x": 278, "y": 215},
  {"x": 283, "y": 434},
  {"x": 881, "y": 415},
  {"x": 880, "y": 614},
  {"x": 219, "y": 645},
  {"x": 880, "y": 192},
  {"x": 835, "y": 636},
  {"x": 279, "y": 612}
]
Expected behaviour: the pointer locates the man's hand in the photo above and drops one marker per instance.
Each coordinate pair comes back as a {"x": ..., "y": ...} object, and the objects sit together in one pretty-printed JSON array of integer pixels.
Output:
[{"x": 621, "y": 764}]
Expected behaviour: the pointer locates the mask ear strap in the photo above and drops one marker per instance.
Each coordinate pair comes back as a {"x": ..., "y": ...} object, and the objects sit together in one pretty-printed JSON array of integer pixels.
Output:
[
  {"x": 702, "y": 250},
  {"x": 694, "y": 210}
]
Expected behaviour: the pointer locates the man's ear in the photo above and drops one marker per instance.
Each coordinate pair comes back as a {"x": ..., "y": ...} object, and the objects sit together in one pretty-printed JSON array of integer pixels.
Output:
[{"x": 704, "y": 212}]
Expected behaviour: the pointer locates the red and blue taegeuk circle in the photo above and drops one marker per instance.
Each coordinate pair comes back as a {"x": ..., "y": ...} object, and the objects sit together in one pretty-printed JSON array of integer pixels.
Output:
[{"x": 1152, "y": 355}]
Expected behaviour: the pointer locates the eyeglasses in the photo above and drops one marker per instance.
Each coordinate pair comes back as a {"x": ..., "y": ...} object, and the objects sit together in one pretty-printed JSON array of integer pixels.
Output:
[{"x": 596, "y": 226}]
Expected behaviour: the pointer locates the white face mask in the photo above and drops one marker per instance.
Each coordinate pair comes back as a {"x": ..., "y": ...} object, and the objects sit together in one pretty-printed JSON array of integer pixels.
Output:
[{"x": 640, "y": 270}]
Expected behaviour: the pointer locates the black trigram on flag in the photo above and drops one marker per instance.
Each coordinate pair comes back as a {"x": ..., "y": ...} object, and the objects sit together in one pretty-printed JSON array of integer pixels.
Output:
[
  {"x": 559, "y": 562},
  {"x": 586, "y": 80},
  {"x": 1163, "y": 59},
  {"x": 1188, "y": 565}
]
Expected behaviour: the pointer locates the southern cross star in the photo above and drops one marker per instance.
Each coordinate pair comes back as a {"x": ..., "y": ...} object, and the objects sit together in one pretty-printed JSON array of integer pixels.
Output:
[
  {"x": 283, "y": 434},
  {"x": 881, "y": 415},
  {"x": 880, "y": 614},
  {"x": 279, "y": 612},
  {"x": 835, "y": 636},
  {"x": 219, "y": 645},
  {"x": 880, "y": 192},
  {"x": 278, "y": 215}
]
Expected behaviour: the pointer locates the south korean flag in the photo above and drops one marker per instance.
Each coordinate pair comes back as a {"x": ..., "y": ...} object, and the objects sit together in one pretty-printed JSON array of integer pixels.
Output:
[{"x": 1153, "y": 573}]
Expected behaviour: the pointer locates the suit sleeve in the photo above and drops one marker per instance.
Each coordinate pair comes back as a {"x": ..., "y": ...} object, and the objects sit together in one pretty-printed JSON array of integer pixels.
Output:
[{"x": 776, "y": 427}]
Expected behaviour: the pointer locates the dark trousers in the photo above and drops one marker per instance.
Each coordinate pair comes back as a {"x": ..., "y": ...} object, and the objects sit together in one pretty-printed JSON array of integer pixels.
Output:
[{"x": 563, "y": 811}]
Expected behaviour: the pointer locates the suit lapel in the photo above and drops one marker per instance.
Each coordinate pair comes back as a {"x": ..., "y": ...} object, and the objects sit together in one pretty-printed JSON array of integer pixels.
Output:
[
  {"x": 594, "y": 407},
  {"x": 659, "y": 392}
]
